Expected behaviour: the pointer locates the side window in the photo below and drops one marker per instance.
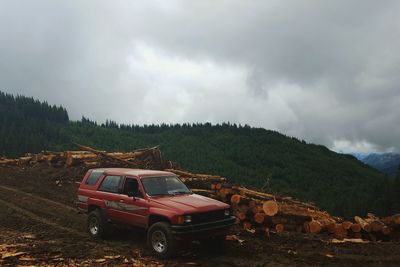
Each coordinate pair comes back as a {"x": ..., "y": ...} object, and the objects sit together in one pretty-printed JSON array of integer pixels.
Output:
[
  {"x": 94, "y": 177},
  {"x": 131, "y": 188},
  {"x": 110, "y": 184}
]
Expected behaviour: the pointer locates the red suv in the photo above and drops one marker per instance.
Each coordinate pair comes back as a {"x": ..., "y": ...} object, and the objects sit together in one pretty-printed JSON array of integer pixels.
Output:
[{"x": 155, "y": 200}]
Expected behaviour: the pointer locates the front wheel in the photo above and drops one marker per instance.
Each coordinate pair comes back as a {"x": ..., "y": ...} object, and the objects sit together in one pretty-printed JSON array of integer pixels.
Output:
[{"x": 161, "y": 240}]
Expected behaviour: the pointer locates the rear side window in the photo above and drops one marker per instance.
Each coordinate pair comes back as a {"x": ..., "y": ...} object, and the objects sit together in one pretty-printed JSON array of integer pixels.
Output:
[
  {"x": 94, "y": 177},
  {"x": 110, "y": 184}
]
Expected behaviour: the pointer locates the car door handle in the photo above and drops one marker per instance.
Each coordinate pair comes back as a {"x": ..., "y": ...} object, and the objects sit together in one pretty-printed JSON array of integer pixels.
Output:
[{"x": 121, "y": 201}]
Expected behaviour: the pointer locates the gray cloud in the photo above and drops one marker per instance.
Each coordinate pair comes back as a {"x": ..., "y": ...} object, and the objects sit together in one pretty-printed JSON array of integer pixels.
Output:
[{"x": 324, "y": 71}]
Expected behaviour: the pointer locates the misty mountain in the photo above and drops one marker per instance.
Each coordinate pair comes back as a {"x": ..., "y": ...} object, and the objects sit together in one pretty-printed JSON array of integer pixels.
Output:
[
  {"x": 387, "y": 163},
  {"x": 360, "y": 156}
]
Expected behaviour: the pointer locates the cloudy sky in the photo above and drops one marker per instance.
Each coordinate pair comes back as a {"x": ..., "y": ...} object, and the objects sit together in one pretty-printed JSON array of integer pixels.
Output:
[{"x": 326, "y": 71}]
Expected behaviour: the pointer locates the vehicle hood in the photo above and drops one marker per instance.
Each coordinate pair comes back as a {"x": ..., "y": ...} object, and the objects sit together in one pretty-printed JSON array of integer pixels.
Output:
[{"x": 189, "y": 204}]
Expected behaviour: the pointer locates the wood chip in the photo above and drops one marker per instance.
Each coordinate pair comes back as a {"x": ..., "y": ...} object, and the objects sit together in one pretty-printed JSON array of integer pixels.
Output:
[
  {"x": 12, "y": 254},
  {"x": 26, "y": 259},
  {"x": 112, "y": 257},
  {"x": 348, "y": 240}
]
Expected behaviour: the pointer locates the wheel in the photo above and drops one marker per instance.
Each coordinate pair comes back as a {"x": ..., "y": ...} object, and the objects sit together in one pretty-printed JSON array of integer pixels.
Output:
[
  {"x": 160, "y": 240},
  {"x": 97, "y": 225}
]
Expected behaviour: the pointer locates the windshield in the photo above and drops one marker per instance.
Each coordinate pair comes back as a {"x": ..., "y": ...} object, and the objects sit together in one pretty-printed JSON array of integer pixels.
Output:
[{"x": 164, "y": 185}]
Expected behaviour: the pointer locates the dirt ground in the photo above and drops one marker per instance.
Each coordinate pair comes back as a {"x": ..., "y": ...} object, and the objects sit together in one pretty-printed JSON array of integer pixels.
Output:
[{"x": 39, "y": 226}]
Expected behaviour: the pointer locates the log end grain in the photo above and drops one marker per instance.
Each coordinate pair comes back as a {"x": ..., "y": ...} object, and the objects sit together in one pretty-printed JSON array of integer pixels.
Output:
[{"x": 270, "y": 207}]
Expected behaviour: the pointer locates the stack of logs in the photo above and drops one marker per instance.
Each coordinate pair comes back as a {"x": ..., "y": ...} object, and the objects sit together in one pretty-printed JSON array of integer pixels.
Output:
[
  {"x": 263, "y": 213},
  {"x": 256, "y": 212}
]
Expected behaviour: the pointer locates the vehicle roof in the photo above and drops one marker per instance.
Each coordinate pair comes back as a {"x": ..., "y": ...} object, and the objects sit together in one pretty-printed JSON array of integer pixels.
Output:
[{"x": 133, "y": 172}]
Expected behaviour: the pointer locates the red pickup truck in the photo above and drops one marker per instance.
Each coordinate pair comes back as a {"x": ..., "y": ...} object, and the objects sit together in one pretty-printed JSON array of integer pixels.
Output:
[{"x": 155, "y": 200}]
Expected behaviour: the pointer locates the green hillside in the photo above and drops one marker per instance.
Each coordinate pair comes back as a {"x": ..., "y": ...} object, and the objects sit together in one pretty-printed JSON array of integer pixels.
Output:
[{"x": 254, "y": 157}]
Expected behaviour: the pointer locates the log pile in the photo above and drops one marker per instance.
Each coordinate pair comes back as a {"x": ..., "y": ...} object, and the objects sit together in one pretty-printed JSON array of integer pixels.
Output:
[
  {"x": 264, "y": 213},
  {"x": 149, "y": 158},
  {"x": 375, "y": 228},
  {"x": 259, "y": 212},
  {"x": 255, "y": 212}
]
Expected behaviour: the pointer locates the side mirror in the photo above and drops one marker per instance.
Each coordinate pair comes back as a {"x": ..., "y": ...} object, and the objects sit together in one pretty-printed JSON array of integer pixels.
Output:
[{"x": 130, "y": 194}]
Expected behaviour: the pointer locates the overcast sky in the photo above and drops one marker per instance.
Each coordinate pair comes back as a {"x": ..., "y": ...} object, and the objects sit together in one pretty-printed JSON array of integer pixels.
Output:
[{"x": 327, "y": 71}]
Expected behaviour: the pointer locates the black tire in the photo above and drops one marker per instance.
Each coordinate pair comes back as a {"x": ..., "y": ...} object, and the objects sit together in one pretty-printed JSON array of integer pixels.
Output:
[
  {"x": 97, "y": 225},
  {"x": 161, "y": 241}
]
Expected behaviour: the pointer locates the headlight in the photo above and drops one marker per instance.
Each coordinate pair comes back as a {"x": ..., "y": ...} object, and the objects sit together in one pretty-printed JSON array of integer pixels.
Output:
[
  {"x": 227, "y": 212},
  {"x": 184, "y": 219},
  {"x": 188, "y": 219}
]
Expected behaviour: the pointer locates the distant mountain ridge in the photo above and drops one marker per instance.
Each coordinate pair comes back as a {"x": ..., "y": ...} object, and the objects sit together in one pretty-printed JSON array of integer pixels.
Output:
[
  {"x": 387, "y": 163},
  {"x": 360, "y": 156}
]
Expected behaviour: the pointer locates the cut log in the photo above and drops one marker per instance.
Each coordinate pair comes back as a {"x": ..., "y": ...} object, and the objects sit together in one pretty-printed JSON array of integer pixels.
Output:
[
  {"x": 235, "y": 199},
  {"x": 9, "y": 161},
  {"x": 256, "y": 209},
  {"x": 243, "y": 207},
  {"x": 364, "y": 225},
  {"x": 393, "y": 220},
  {"x": 250, "y": 192},
  {"x": 224, "y": 192},
  {"x": 376, "y": 225},
  {"x": 315, "y": 227},
  {"x": 252, "y": 203},
  {"x": 247, "y": 225},
  {"x": 346, "y": 225},
  {"x": 340, "y": 232},
  {"x": 355, "y": 227},
  {"x": 270, "y": 207},
  {"x": 241, "y": 215},
  {"x": 279, "y": 228},
  {"x": 330, "y": 227},
  {"x": 91, "y": 164},
  {"x": 278, "y": 219},
  {"x": 259, "y": 218},
  {"x": 24, "y": 160}
]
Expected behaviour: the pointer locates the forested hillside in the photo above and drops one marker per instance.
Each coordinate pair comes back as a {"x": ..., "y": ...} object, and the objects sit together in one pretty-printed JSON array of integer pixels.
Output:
[
  {"x": 29, "y": 125},
  {"x": 251, "y": 156}
]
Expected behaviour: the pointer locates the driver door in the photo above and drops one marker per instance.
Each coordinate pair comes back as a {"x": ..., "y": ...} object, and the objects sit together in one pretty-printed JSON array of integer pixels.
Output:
[{"x": 134, "y": 208}]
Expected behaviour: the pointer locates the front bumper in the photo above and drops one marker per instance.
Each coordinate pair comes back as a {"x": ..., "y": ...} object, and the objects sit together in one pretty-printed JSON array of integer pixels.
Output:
[{"x": 215, "y": 226}]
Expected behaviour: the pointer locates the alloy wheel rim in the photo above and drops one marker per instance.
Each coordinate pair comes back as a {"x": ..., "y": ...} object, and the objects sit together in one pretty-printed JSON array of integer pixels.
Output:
[
  {"x": 93, "y": 226},
  {"x": 159, "y": 241}
]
